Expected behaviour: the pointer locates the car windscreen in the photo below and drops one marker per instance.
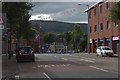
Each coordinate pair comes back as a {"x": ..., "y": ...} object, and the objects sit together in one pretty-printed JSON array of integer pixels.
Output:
[
  {"x": 106, "y": 48},
  {"x": 23, "y": 50}
]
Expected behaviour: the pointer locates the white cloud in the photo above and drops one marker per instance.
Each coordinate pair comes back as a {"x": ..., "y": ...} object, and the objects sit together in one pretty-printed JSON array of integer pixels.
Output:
[{"x": 41, "y": 17}]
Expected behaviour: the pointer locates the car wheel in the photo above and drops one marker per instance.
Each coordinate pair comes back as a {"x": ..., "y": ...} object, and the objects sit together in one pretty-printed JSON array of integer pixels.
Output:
[
  {"x": 102, "y": 54},
  {"x": 96, "y": 54}
]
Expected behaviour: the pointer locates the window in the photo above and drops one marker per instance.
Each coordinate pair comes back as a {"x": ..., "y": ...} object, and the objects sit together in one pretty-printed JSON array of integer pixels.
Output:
[
  {"x": 90, "y": 29},
  {"x": 101, "y": 26},
  {"x": 107, "y": 5},
  {"x": 101, "y": 9},
  {"x": 116, "y": 23},
  {"x": 95, "y": 12},
  {"x": 90, "y": 14},
  {"x": 95, "y": 28},
  {"x": 108, "y": 24}
]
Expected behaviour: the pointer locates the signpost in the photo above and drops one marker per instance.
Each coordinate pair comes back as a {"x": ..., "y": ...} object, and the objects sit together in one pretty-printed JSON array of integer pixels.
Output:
[{"x": 3, "y": 39}]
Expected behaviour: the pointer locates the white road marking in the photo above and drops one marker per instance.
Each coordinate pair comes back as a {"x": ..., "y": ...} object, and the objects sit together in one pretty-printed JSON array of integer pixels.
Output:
[
  {"x": 34, "y": 67},
  {"x": 46, "y": 65},
  {"x": 87, "y": 60},
  {"x": 47, "y": 76},
  {"x": 99, "y": 68},
  {"x": 64, "y": 59},
  {"x": 82, "y": 57},
  {"x": 38, "y": 66},
  {"x": 17, "y": 77},
  {"x": 53, "y": 65}
]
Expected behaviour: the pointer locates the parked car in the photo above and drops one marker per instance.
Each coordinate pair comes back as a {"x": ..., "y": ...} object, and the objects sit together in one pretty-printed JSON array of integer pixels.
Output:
[
  {"x": 104, "y": 51},
  {"x": 48, "y": 51},
  {"x": 59, "y": 52},
  {"x": 25, "y": 53}
]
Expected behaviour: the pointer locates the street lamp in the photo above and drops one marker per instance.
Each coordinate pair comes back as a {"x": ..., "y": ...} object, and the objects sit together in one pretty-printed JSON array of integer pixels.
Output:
[
  {"x": 39, "y": 37},
  {"x": 88, "y": 22},
  {"x": 84, "y": 5}
]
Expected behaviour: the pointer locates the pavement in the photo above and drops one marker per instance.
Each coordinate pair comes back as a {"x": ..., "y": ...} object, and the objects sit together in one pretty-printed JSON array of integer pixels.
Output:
[{"x": 10, "y": 68}]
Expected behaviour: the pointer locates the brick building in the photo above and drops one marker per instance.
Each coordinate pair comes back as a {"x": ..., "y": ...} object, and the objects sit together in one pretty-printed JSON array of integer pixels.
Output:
[{"x": 102, "y": 31}]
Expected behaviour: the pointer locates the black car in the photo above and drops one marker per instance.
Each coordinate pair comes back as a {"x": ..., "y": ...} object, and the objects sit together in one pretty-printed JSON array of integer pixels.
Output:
[{"x": 25, "y": 54}]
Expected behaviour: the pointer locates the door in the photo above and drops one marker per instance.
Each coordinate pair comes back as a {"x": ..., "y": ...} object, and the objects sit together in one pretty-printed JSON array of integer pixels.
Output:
[{"x": 117, "y": 47}]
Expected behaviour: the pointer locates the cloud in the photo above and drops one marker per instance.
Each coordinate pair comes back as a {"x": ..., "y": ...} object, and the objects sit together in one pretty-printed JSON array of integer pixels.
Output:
[
  {"x": 41, "y": 17},
  {"x": 59, "y": 11}
]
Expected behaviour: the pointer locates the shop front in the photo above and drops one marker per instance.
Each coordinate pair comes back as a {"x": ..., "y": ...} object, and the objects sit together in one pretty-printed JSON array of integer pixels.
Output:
[
  {"x": 108, "y": 42},
  {"x": 101, "y": 42},
  {"x": 116, "y": 41}
]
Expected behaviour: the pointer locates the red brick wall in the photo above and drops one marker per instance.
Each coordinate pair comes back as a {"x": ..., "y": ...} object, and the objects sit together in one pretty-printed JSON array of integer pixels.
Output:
[
  {"x": 92, "y": 23},
  {"x": 103, "y": 18}
]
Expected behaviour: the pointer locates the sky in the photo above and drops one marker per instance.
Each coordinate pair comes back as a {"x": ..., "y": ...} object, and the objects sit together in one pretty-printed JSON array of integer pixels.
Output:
[{"x": 60, "y": 11}]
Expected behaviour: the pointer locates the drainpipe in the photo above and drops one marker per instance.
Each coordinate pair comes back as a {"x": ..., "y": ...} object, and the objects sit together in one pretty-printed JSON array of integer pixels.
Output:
[{"x": 98, "y": 26}]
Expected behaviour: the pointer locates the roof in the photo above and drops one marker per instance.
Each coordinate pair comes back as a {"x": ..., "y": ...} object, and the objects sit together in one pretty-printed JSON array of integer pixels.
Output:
[{"x": 100, "y": 1}]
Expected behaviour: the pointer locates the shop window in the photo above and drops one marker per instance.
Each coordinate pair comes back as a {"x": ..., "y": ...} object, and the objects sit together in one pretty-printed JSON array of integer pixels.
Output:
[
  {"x": 95, "y": 28},
  {"x": 101, "y": 9},
  {"x": 101, "y": 26},
  {"x": 108, "y": 24}
]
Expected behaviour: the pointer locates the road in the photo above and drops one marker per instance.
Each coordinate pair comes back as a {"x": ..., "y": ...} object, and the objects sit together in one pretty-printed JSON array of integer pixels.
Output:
[{"x": 69, "y": 66}]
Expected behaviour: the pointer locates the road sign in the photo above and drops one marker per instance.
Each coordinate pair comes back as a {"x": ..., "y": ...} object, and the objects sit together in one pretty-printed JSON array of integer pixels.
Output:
[
  {"x": 1, "y": 27},
  {"x": 1, "y": 20}
]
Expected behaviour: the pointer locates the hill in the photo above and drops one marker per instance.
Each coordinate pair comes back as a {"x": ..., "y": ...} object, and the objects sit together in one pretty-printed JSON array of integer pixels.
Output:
[{"x": 58, "y": 27}]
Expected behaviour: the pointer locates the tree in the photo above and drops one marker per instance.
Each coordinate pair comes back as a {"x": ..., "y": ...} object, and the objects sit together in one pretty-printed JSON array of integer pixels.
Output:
[
  {"x": 17, "y": 15},
  {"x": 65, "y": 36},
  {"x": 83, "y": 42},
  {"x": 29, "y": 34},
  {"x": 115, "y": 12},
  {"x": 18, "y": 18},
  {"x": 49, "y": 38},
  {"x": 77, "y": 35}
]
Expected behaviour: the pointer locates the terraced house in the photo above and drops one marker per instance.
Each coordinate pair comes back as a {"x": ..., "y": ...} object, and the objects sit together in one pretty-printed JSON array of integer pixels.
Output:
[{"x": 102, "y": 31}]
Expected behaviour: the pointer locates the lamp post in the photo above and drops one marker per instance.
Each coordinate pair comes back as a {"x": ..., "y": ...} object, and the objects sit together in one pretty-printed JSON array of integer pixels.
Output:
[
  {"x": 40, "y": 38},
  {"x": 88, "y": 24}
]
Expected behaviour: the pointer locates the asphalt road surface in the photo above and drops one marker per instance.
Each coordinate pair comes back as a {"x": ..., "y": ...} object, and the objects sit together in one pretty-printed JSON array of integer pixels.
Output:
[{"x": 69, "y": 66}]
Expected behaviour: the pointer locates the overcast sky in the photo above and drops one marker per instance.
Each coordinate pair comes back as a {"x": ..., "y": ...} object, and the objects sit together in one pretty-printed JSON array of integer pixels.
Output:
[{"x": 60, "y": 11}]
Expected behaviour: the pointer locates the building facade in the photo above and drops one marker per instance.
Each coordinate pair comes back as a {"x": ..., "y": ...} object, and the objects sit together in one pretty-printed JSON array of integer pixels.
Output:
[
  {"x": 58, "y": 46},
  {"x": 102, "y": 31}
]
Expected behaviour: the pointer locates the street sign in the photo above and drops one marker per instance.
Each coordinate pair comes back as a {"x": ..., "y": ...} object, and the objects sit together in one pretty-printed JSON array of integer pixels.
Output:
[
  {"x": 1, "y": 27},
  {"x": 1, "y": 20}
]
